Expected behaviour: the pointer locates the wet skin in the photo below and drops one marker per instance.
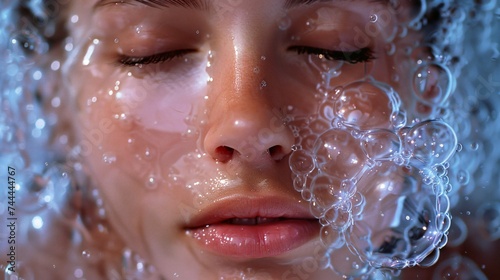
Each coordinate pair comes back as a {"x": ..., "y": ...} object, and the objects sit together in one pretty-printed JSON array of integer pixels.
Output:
[{"x": 183, "y": 119}]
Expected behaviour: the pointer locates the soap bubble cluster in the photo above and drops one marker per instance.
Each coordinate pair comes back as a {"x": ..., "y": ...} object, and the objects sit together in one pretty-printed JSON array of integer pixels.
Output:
[
  {"x": 385, "y": 185},
  {"x": 372, "y": 182}
]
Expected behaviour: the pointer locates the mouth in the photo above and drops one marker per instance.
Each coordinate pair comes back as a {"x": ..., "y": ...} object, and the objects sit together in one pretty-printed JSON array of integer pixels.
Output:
[{"x": 255, "y": 227}]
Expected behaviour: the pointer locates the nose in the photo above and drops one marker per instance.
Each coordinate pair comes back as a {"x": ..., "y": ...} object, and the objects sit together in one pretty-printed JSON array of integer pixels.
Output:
[{"x": 244, "y": 119}]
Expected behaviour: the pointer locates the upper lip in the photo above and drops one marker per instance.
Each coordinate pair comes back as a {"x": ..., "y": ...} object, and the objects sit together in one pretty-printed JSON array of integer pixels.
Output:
[{"x": 240, "y": 206}]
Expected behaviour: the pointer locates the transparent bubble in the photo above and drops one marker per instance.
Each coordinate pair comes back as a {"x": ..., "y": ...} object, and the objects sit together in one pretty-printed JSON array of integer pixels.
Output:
[
  {"x": 316, "y": 210},
  {"x": 338, "y": 154},
  {"x": 365, "y": 105},
  {"x": 489, "y": 215},
  {"x": 29, "y": 41},
  {"x": 432, "y": 83},
  {"x": 359, "y": 237},
  {"x": 390, "y": 49},
  {"x": 348, "y": 264},
  {"x": 381, "y": 145},
  {"x": 358, "y": 204},
  {"x": 458, "y": 267},
  {"x": 331, "y": 238},
  {"x": 431, "y": 142},
  {"x": 342, "y": 221},
  {"x": 327, "y": 110},
  {"x": 306, "y": 194},
  {"x": 413, "y": 16},
  {"x": 430, "y": 259},
  {"x": 382, "y": 181},
  {"x": 301, "y": 162},
  {"x": 327, "y": 191},
  {"x": 319, "y": 126},
  {"x": 298, "y": 183},
  {"x": 457, "y": 233}
]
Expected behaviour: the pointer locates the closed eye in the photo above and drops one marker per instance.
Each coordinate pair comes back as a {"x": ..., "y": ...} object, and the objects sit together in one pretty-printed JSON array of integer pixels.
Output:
[
  {"x": 353, "y": 57},
  {"x": 153, "y": 59}
]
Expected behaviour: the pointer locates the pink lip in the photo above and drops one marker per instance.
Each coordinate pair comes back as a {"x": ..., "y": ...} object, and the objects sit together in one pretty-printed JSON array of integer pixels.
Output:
[{"x": 289, "y": 226}]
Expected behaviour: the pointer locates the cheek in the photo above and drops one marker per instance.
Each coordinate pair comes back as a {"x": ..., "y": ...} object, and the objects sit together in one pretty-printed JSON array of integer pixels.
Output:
[
  {"x": 141, "y": 126},
  {"x": 133, "y": 133}
]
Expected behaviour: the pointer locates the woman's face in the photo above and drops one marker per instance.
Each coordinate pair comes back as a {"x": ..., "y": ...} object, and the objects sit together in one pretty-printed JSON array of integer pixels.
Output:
[{"x": 189, "y": 113}]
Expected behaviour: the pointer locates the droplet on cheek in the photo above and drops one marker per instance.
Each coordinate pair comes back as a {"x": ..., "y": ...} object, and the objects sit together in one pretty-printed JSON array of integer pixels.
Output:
[
  {"x": 151, "y": 182},
  {"x": 109, "y": 158}
]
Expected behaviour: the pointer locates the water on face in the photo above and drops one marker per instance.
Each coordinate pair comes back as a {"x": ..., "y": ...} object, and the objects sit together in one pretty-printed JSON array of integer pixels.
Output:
[{"x": 381, "y": 179}]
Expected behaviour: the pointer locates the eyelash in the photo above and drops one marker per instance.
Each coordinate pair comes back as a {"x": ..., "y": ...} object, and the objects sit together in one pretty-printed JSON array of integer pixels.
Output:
[
  {"x": 153, "y": 59},
  {"x": 358, "y": 56}
]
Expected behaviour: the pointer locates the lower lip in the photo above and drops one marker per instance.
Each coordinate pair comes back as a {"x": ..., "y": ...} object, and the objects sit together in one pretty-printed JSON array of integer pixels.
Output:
[{"x": 256, "y": 241}]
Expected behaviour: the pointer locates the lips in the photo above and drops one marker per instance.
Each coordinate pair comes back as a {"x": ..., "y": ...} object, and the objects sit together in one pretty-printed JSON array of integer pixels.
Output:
[{"x": 253, "y": 227}]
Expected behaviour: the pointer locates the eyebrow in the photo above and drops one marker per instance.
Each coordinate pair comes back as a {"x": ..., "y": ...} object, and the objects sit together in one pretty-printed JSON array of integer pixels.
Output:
[
  {"x": 188, "y": 4},
  {"x": 204, "y": 4},
  {"x": 294, "y": 3}
]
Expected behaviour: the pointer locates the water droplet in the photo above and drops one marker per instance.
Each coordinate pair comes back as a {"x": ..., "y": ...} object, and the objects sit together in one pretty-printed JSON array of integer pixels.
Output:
[
  {"x": 152, "y": 182},
  {"x": 109, "y": 158},
  {"x": 263, "y": 84},
  {"x": 285, "y": 23},
  {"x": 55, "y": 65},
  {"x": 463, "y": 177}
]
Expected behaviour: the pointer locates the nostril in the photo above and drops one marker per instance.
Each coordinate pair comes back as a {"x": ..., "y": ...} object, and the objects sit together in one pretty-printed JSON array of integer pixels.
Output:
[
  {"x": 223, "y": 153},
  {"x": 277, "y": 152}
]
